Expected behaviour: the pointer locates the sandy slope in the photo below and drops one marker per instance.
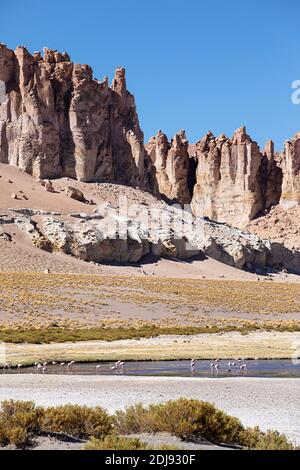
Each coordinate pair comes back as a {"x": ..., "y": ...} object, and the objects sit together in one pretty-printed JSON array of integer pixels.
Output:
[
  {"x": 20, "y": 255},
  {"x": 268, "y": 403}
]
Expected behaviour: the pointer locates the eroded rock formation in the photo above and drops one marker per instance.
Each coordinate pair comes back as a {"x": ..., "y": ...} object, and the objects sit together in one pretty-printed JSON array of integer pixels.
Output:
[
  {"x": 57, "y": 120},
  {"x": 227, "y": 185},
  {"x": 97, "y": 238},
  {"x": 226, "y": 179},
  {"x": 171, "y": 162},
  {"x": 290, "y": 163}
]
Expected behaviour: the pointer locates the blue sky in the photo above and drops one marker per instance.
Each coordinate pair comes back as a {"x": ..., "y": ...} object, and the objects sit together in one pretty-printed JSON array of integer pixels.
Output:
[{"x": 193, "y": 64}]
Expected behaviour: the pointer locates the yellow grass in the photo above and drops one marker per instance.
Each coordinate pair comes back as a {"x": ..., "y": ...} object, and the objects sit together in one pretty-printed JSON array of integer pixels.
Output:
[
  {"x": 72, "y": 301},
  {"x": 226, "y": 345}
]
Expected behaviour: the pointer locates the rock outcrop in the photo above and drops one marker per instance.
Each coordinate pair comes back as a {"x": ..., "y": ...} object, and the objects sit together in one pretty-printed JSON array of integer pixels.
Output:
[
  {"x": 270, "y": 177},
  {"x": 225, "y": 179},
  {"x": 228, "y": 180},
  {"x": 177, "y": 234},
  {"x": 290, "y": 164},
  {"x": 57, "y": 120},
  {"x": 171, "y": 162}
]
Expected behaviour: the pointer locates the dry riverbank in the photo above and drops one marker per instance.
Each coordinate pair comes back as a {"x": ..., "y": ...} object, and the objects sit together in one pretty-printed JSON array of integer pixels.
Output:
[{"x": 268, "y": 403}]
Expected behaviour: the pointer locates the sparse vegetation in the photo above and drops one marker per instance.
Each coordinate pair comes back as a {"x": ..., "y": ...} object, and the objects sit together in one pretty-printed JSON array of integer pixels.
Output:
[
  {"x": 94, "y": 304},
  {"x": 193, "y": 419},
  {"x": 61, "y": 335},
  {"x": 115, "y": 443},
  {"x": 123, "y": 443},
  {"x": 189, "y": 420}
]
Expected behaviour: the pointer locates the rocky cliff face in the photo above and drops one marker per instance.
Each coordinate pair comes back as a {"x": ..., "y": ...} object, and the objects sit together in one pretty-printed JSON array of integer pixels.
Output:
[
  {"x": 290, "y": 164},
  {"x": 227, "y": 181},
  {"x": 171, "y": 163},
  {"x": 57, "y": 120}
]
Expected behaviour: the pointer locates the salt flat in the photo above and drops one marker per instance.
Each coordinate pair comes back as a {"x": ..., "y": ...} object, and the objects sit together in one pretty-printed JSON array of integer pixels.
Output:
[{"x": 269, "y": 403}]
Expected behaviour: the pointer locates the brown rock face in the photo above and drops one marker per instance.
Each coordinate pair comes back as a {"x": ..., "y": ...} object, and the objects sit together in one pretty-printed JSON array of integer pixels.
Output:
[
  {"x": 172, "y": 162},
  {"x": 57, "y": 120},
  {"x": 227, "y": 182},
  {"x": 270, "y": 176},
  {"x": 290, "y": 164}
]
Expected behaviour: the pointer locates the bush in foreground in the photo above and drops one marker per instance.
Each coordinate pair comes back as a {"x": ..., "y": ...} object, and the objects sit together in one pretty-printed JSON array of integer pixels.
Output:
[
  {"x": 19, "y": 421},
  {"x": 187, "y": 419},
  {"x": 254, "y": 438},
  {"x": 115, "y": 443},
  {"x": 78, "y": 421},
  {"x": 193, "y": 419},
  {"x": 122, "y": 443}
]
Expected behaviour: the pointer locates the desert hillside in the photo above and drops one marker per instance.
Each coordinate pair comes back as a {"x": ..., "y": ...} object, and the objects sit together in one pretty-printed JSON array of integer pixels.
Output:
[{"x": 72, "y": 151}]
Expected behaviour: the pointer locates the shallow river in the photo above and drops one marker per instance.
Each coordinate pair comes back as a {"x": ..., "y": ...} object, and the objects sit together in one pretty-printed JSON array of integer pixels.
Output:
[{"x": 250, "y": 368}]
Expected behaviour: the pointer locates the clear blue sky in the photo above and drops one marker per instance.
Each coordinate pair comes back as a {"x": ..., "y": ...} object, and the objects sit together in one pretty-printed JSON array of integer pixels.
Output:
[{"x": 191, "y": 64}]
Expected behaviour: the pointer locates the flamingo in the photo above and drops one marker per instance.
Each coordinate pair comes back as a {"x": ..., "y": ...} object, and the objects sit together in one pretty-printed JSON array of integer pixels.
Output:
[
  {"x": 54, "y": 363},
  {"x": 44, "y": 369},
  {"x": 6, "y": 366},
  {"x": 45, "y": 364},
  {"x": 70, "y": 365},
  {"x": 217, "y": 367},
  {"x": 121, "y": 365},
  {"x": 97, "y": 368},
  {"x": 39, "y": 367},
  {"x": 61, "y": 365},
  {"x": 19, "y": 366}
]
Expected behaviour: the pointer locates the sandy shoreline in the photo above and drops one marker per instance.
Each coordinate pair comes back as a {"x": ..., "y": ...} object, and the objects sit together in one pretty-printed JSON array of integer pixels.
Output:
[{"x": 268, "y": 403}]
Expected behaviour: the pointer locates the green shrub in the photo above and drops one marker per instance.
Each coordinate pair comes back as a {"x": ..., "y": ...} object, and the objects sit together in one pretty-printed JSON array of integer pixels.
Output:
[
  {"x": 18, "y": 436},
  {"x": 77, "y": 421},
  {"x": 253, "y": 438},
  {"x": 123, "y": 443},
  {"x": 115, "y": 443},
  {"x": 187, "y": 419},
  {"x": 135, "y": 419},
  {"x": 19, "y": 421}
]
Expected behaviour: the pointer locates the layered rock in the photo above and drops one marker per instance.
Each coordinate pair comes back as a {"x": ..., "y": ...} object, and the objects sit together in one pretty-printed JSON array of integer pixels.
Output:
[
  {"x": 228, "y": 180},
  {"x": 270, "y": 177},
  {"x": 172, "y": 163},
  {"x": 290, "y": 164},
  {"x": 57, "y": 120}
]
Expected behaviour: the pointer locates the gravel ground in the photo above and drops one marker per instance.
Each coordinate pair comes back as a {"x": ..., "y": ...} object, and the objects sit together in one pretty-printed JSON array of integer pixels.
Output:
[{"x": 268, "y": 403}]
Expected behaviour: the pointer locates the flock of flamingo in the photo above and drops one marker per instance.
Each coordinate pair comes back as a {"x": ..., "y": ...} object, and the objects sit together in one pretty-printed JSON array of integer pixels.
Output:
[
  {"x": 41, "y": 367},
  {"x": 118, "y": 366},
  {"x": 238, "y": 364}
]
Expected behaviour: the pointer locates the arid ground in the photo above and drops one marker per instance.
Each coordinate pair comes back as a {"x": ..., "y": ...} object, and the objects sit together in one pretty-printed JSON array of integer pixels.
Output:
[{"x": 268, "y": 403}]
